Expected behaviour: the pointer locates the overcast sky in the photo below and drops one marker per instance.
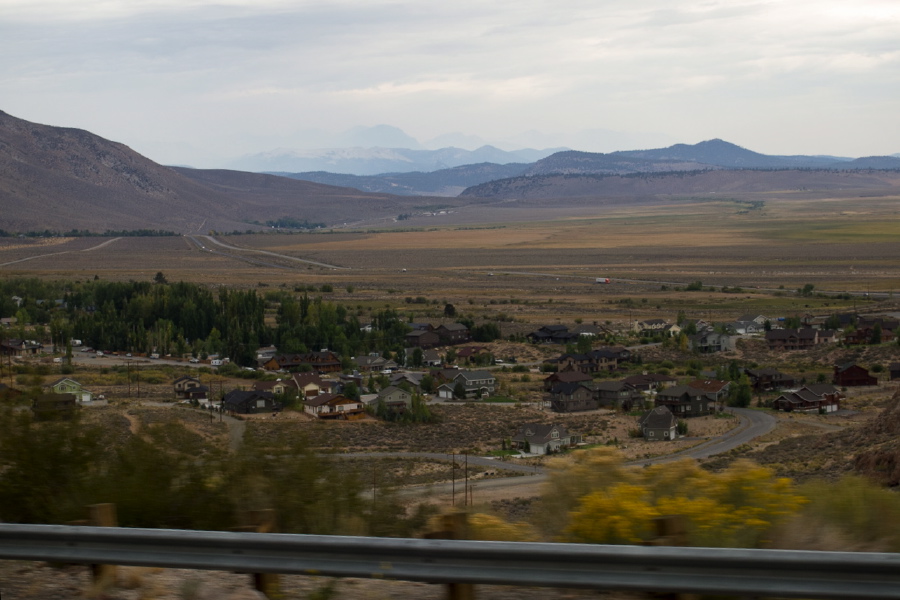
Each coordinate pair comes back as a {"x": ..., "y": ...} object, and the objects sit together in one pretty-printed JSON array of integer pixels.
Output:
[{"x": 197, "y": 82}]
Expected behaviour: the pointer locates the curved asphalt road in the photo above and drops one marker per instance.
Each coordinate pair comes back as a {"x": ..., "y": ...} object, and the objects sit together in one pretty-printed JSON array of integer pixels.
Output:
[{"x": 753, "y": 423}]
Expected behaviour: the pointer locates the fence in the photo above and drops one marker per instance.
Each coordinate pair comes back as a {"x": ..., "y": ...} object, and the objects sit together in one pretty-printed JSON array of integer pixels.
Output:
[{"x": 780, "y": 573}]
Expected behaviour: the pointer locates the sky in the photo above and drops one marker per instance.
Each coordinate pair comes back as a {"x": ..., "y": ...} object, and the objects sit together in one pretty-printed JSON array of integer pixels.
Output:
[{"x": 198, "y": 82}]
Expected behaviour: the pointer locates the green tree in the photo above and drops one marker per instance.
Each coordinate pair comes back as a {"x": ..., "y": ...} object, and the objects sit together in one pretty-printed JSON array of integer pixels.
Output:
[
  {"x": 427, "y": 383},
  {"x": 584, "y": 344},
  {"x": 351, "y": 390},
  {"x": 459, "y": 390},
  {"x": 418, "y": 358},
  {"x": 740, "y": 393},
  {"x": 876, "y": 334}
]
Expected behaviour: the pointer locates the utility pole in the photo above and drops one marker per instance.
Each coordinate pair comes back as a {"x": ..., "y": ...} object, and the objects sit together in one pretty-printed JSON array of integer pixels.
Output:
[
  {"x": 453, "y": 479},
  {"x": 466, "y": 482}
]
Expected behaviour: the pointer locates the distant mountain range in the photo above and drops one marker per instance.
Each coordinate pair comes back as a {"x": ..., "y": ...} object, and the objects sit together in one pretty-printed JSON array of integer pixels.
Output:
[
  {"x": 377, "y": 160},
  {"x": 704, "y": 156},
  {"x": 59, "y": 179}
]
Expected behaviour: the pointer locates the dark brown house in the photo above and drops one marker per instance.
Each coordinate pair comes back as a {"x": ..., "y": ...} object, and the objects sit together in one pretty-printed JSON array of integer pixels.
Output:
[
  {"x": 250, "y": 402},
  {"x": 564, "y": 377},
  {"x": 321, "y": 362},
  {"x": 851, "y": 375},
  {"x": 573, "y": 397},
  {"x": 823, "y": 398},
  {"x": 422, "y": 338},
  {"x": 618, "y": 394},
  {"x": 684, "y": 401},
  {"x": 769, "y": 378},
  {"x": 453, "y": 333}
]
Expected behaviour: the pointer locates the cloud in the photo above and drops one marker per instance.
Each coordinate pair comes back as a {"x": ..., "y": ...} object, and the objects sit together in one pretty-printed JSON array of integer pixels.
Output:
[{"x": 490, "y": 69}]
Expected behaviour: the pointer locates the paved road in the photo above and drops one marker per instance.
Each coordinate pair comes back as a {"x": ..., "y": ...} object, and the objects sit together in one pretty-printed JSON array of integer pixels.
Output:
[
  {"x": 208, "y": 240},
  {"x": 97, "y": 247},
  {"x": 753, "y": 424}
]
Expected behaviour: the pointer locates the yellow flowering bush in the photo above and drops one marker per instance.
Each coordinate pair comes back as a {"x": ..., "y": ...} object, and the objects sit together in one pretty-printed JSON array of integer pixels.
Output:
[{"x": 737, "y": 507}]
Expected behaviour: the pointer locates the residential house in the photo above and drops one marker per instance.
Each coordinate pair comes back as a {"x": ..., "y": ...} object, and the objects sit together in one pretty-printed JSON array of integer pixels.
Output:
[
  {"x": 334, "y": 406},
  {"x": 894, "y": 370},
  {"x": 412, "y": 380},
  {"x": 576, "y": 396},
  {"x": 191, "y": 388},
  {"x": 471, "y": 354},
  {"x": 659, "y": 424},
  {"x": 594, "y": 330},
  {"x": 477, "y": 384},
  {"x": 430, "y": 357},
  {"x": 715, "y": 389},
  {"x": 866, "y": 327},
  {"x": 553, "y": 334},
  {"x": 745, "y": 327},
  {"x": 754, "y": 317},
  {"x": 54, "y": 407},
  {"x": 684, "y": 401},
  {"x": 851, "y": 375},
  {"x": 279, "y": 387},
  {"x": 565, "y": 377},
  {"x": 375, "y": 362},
  {"x": 17, "y": 347},
  {"x": 818, "y": 398},
  {"x": 250, "y": 402},
  {"x": 798, "y": 339},
  {"x": 265, "y": 353},
  {"x": 324, "y": 361},
  {"x": 650, "y": 381},
  {"x": 710, "y": 341},
  {"x": 600, "y": 359},
  {"x": 70, "y": 386},
  {"x": 311, "y": 385},
  {"x": 618, "y": 394},
  {"x": 769, "y": 378},
  {"x": 649, "y": 327},
  {"x": 540, "y": 438},
  {"x": 422, "y": 338},
  {"x": 452, "y": 334},
  {"x": 395, "y": 399}
]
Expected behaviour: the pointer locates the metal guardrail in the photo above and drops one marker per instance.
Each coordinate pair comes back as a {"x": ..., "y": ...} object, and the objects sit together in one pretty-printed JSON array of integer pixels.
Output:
[{"x": 781, "y": 573}]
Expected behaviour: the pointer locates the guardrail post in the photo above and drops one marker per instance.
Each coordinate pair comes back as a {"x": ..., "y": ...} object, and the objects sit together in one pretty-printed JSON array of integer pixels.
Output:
[
  {"x": 103, "y": 515},
  {"x": 455, "y": 526},
  {"x": 671, "y": 530},
  {"x": 262, "y": 521}
]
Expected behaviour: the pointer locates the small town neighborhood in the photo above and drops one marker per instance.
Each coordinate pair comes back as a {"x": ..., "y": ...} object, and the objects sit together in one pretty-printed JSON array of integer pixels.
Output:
[{"x": 579, "y": 371}]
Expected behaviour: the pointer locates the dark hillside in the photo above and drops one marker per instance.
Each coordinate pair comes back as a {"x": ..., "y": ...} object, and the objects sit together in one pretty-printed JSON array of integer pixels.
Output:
[
  {"x": 693, "y": 182},
  {"x": 58, "y": 179}
]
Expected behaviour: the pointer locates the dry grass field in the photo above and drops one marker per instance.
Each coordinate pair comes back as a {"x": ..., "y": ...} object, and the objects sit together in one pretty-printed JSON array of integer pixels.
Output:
[{"x": 531, "y": 262}]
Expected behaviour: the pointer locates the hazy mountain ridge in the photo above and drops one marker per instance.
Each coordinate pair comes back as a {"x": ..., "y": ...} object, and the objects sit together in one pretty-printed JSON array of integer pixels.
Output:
[
  {"x": 445, "y": 182},
  {"x": 377, "y": 160},
  {"x": 711, "y": 181}
]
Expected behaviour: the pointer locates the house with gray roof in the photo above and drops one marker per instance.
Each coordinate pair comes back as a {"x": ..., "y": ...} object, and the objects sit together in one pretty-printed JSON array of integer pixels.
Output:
[
  {"x": 659, "y": 425},
  {"x": 541, "y": 438},
  {"x": 684, "y": 401}
]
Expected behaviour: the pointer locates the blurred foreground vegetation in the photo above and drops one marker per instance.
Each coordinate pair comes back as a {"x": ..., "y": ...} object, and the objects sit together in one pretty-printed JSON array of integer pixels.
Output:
[{"x": 166, "y": 475}]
